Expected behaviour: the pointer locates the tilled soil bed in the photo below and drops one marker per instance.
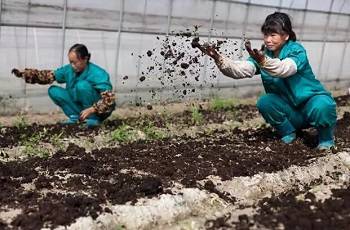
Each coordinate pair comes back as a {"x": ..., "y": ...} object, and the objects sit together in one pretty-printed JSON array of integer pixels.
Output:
[{"x": 55, "y": 191}]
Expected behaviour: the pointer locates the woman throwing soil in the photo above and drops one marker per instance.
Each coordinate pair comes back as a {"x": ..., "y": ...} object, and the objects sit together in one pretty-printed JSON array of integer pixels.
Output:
[
  {"x": 294, "y": 98},
  {"x": 87, "y": 96}
]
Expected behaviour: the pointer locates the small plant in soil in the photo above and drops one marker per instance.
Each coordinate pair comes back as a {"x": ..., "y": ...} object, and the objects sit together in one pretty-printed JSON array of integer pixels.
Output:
[
  {"x": 56, "y": 141},
  {"x": 222, "y": 104},
  {"x": 120, "y": 227},
  {"x": 20, "y": 122},
  {"x": 196, "y": 115},
  {"x": 32, "y": 145},
  {"x": 152, "y": 132},
  {"x": 122, "y": 134}
]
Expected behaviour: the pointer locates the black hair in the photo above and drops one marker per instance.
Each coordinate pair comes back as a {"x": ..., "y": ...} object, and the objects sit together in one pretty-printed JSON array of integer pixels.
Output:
[
  {"x": 81, "y": 51},
  {"x": 278, "y": 23}
]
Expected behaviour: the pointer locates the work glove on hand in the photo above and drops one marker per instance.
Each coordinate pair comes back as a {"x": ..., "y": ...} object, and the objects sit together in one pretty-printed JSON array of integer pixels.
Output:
[
  {"x": 33, "y": 76},
  {"x": 206, "y": 48},
  {"x": 106, "y": 104},
  {"x": 257, "y": 55}
]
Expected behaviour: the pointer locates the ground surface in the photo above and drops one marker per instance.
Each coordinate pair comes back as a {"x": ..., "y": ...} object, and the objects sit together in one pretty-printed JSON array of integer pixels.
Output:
[{"x": 56, "y": 188}]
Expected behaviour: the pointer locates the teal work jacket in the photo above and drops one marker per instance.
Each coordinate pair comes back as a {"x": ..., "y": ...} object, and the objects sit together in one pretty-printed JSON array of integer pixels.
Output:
[
  {"x": 298, "y": 88},
  {"x": 95, "y": 75}
]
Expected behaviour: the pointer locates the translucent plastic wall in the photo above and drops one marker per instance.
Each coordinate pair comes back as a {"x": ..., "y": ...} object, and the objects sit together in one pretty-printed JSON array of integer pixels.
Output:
[{"x": 38, "y": 33}]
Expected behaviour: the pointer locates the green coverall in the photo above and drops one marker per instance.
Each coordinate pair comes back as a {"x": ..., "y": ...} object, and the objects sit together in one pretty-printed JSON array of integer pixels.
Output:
[
  {"x": 298, "y": 101},
  {"x": 82, "y": 90}
]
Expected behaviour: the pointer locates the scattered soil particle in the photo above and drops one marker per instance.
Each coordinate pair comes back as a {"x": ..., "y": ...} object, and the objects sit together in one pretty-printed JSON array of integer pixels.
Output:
[
  {"x": 149, "y": 53},
  {"x": 294, "y": 213},
  {"x": 95, "y": 177},
  {"x": 142, "y": 78},
  {"x": 184, "y": 65}
]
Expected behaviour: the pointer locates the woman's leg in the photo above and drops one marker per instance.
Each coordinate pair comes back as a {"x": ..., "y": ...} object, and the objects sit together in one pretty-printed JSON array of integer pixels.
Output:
[
  {"x": 321, "y": 113},
  {"x": 87, "y": 95},
  {"x": 281, "y": 115},
  {"x": 62, "y": 98}
]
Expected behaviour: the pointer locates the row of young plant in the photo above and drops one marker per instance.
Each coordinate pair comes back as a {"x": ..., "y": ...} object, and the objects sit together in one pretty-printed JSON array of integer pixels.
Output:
[{"x": 33, "y": 145}]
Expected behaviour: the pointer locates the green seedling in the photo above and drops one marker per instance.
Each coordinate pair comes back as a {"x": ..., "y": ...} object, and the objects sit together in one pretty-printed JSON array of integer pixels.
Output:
[
  {"x": 222, "y": 104},
  {"x": 32, "y": 145},
  {"x": 122, "y": 134},
  {"x": 152, "y": 132},
  {"x": 120, "y": 227},
  {"x": 196, "y": 115},
  {"x": 56, "y": 141},
  {"x": 20, "y": 121}
]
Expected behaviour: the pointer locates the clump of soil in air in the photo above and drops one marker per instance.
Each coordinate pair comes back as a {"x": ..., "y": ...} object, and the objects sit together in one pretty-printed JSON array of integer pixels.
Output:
[
  {"x": 142, "y": 78},
  {"x": 184, "y": 65},
  {"x": 178, "y": 60},
  {"x": 149, "y": 53}
]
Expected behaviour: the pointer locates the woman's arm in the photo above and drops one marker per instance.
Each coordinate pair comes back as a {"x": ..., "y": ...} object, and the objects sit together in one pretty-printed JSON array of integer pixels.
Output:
[
  {"x": 230, "y": 68},
  {"x": 235, "y": 69},
  {"x": 33, "y": 76},
  {"x": 279, "y": 68},
  {"x": 106, "y": 104},
  {"x": 273, "y": 66}
]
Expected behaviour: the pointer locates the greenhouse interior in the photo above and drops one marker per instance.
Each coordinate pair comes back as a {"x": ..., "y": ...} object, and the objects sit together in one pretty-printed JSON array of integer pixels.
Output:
[
  {"x": 175, "y": 114},
  {"x": 118, "y": 33}
]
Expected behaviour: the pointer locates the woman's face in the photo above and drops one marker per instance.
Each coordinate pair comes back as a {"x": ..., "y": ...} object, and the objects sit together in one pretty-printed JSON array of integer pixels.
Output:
[
  {"x": 275, "y": 41},
  {"x": 78, "y": 64}
]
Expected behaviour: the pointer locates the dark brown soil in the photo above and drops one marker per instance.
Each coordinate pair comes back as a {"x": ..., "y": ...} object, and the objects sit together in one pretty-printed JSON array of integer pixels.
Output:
[
  {"x": 96, "y": 178},
  {"x": 13, "y": 136},
  {"x": 333, "y": 213},
  {"x": 293, "y": 213}
]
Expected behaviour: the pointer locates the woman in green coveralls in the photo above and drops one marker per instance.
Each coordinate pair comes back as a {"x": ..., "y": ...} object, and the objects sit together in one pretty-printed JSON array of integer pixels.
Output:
[
  {"x": 294, "y": 98},
  {"x": 87, "y": 96}
]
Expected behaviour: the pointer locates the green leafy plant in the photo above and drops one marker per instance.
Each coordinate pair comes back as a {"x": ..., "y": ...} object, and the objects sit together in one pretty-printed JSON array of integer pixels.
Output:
[
  {"x": 152, "y": 132},
  {"x": 196, "y": 115},
  {"x": 222, "y": 104},
  {"x": 120, "y": 227},
  {"x": 32, "y": 145},
  {"x": 56, "y": 141},
  {"x": 122, "y": 134},
  {"x": 20, "y": 121}
]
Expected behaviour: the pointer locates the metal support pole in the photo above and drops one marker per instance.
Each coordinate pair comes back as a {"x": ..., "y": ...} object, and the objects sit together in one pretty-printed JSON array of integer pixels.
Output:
[
  {"x": 63, "y": 31},
  {"x": 141, "y": 37},
  {"x": 0, "y": 17},
  {"x": 245, "y": 24},
  {"x": 121, "y": 18},
  {"x": 280, "y": 5},
  {"x": 303, "y": 20},
  {"x": 170, "y": 14},
  {"x": 324, "y": 40},
  {"x": 26, "y": 103},
  {"x": 36, "y": 46},
  {"x": 204, "y": 78},
  {"x": 346, "y": 42},
  {"x": 227, "y": 17},
  {"x": 226, "y": 31}
]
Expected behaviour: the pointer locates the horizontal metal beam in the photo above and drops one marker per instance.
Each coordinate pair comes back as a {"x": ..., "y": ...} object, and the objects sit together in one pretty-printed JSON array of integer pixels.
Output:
[
  {"x": 284, "y": 8},
  {"x": 148, "y": 32},
  {"x": 34, "y": 92}
]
